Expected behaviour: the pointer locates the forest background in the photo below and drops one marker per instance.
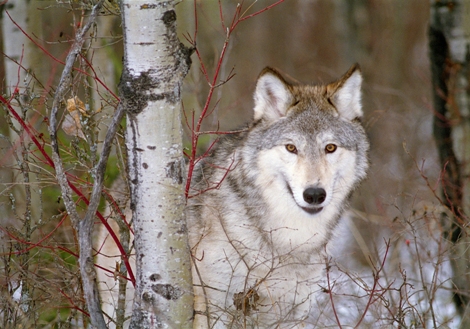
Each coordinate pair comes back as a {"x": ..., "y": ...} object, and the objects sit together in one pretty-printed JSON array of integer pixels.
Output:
[{"x": 309, "y": 41}]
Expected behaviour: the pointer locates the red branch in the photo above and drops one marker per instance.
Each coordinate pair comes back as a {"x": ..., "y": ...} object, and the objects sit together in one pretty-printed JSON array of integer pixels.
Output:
[
  {"x": 330, "y": 294},
  {"x": 95, "y": 77},
  {"x": 372, "y": 292},
  {"x": 75, "y": 189},
  {"x": 33, "y": 244},
  {"x": 195, "y": 128}
]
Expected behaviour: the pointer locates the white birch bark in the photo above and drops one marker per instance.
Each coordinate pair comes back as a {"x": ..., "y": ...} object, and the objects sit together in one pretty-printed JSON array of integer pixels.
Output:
[
  {"x": 19, "y": 50},
  {"x": 15, "y": 43},
  {"x": 155, "y": 64}
]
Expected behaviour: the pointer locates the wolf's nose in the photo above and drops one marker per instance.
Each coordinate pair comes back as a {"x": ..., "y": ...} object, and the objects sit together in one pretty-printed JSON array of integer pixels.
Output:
[{"x": 314, "y": 195}]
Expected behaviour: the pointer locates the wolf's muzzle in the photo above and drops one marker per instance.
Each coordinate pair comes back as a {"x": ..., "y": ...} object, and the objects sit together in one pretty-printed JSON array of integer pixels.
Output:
[{"x": 314, "y": 195}]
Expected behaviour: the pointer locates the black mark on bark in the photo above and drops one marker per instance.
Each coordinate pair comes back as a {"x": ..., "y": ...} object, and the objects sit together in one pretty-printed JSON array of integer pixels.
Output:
[
  {"x": 167, "y": 291},
  {"x": 146, "y": 297},
  {"x": 155, "y": 277},
  {"x": 169, "y": 18},
  {"x": 174, "y": 170},
  {"x": 136, "y": 92}
]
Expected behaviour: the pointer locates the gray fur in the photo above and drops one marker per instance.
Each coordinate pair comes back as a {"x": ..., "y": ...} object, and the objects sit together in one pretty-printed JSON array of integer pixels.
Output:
[{"x": 257, "y": 243}]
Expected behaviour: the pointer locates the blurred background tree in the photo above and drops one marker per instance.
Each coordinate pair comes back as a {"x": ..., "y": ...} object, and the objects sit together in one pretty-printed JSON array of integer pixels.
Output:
[{"x": 449, "y": 40}]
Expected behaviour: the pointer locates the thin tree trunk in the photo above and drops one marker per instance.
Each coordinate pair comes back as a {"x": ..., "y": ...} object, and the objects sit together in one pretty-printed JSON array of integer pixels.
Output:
[
  {"x": 449, "y": 41},
  {"x": 155, "y": 63}
]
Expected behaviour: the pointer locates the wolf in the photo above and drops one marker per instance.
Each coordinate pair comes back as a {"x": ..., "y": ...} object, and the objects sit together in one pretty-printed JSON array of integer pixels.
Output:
[{"x": 266, "y": 201}]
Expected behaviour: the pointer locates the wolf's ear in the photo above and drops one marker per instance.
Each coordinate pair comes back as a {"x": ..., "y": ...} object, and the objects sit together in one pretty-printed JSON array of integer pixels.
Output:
[
  {"x": 345, "y": 94},
  {"x": 272, "y": 95}
]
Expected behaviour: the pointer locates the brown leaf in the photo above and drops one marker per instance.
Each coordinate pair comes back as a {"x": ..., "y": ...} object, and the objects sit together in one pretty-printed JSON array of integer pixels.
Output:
[
  {"x": 72, "y": 127},
  {"x": 71, "y": 124},
  {"x": 74, "y": 104}
]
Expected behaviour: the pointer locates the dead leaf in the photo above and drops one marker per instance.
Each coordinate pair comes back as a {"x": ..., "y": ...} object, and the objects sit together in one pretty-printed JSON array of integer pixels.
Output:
[
  {"x": 71, "y": 124},
  {"x": 74, "y": 104},
  {"x": 246, "y": 301}
]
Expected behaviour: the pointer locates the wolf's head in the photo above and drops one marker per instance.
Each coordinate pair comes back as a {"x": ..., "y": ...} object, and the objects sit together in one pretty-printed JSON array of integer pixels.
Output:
[{"x": 311, "y": 148}]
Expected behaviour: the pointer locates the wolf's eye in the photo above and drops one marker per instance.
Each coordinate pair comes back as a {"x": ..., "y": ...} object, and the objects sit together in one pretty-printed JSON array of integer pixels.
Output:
[
  {"x": 291, "y": 148},
  {"x": 330, "y": 148}
]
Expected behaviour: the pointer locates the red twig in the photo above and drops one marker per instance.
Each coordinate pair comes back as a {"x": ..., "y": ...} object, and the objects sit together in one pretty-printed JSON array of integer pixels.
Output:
[
  {"x": 114, "y": 205},
  {"x": 110, "y": 231},
  {"x": 95, "y": 76},
  {"x": 261, "y": 11},
  {"x": 213, "y": 83},
  {"x": 217, "y": 184},
  {"x": 372, "y": 292},
  {"x": 457, "y": 213},
  {"x": 62, "y": 292},
  {"x": 330, "y": 294},
  {"x": 17, "y": 89},
  {"x": 28, "y": 130},
  {"x": 72, "y": 186},
  {"x": 33, "y": 244},
  {"x": 33, "y": 41}
]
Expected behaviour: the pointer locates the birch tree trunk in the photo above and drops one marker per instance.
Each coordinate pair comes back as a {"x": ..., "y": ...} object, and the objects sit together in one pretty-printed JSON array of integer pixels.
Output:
[
  {"x": 155, "y": 63},
  {"x": 449, "y": 39}
]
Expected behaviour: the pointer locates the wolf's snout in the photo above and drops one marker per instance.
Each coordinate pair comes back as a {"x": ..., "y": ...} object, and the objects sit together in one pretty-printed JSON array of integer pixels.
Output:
[{"x": 314, "y": 195}]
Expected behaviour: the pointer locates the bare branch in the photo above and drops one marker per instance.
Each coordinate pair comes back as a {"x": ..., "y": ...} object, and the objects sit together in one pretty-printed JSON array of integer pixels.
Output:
[{"x": 84, "y": 228}]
